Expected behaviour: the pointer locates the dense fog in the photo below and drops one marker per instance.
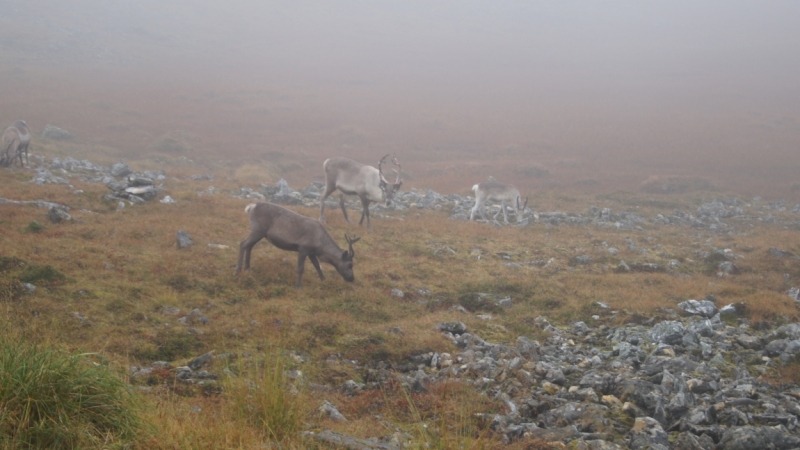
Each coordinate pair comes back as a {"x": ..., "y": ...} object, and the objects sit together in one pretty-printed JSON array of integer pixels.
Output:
[{"x": 622, "y": 90}]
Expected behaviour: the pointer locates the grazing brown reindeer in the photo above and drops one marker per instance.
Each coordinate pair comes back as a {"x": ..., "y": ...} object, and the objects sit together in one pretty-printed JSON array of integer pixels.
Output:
[
  {"x": 16, "y": 140},
  {"x": 353, "y": 178},
  {"x": 288, "y": 230},
  {"x": 499, "y": 192}
]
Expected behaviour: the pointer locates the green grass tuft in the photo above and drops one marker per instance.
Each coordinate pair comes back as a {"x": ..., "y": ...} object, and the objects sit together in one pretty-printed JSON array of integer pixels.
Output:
[{"x": 52, "y": 399}]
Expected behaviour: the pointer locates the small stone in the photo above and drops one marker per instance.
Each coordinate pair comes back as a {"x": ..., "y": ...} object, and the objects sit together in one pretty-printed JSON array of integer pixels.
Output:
[
  {"x": 120, "y": 169},
  {"x": 397, "y": 293},
  {"x": 452, "y": 327},
  {"x": 550, "y": 388},
  {"x": 201, "y": 361},
  {"x": 612, "y": 401},
  {"x": 331, "y": 411},
  {"x": 170, "y": 311},
  {"x": 184, "y": 240},
  {"x": 57, "y": 215}
]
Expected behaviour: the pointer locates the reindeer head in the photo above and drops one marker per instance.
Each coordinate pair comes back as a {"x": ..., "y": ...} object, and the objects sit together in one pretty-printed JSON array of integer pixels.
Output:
[
  {"x": 389, "y": 189},
  {"x": 345, "y": 265}
]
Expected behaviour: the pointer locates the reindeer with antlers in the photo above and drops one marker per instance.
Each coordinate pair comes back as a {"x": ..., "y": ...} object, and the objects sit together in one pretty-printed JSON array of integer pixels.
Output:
[
  {"x": 498, "y": 192},
  {"x": 353, "y": 178},
  {"x": 288, "y": 230}
]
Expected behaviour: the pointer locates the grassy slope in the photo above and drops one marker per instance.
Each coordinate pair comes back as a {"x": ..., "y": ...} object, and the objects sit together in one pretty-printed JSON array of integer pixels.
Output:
[{"x": 122, "y": 267}]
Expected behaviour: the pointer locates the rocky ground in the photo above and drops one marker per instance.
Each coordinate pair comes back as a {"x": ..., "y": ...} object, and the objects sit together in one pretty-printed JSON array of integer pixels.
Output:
[{"x": 686, "y": 378}]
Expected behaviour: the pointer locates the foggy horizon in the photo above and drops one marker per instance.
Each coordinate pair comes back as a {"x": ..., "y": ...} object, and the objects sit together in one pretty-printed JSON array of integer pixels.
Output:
[{"x": 665, "y": 88}]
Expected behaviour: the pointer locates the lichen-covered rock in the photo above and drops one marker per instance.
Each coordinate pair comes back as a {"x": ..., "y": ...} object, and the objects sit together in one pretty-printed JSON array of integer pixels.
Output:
[{"x": 757, "y": 438}]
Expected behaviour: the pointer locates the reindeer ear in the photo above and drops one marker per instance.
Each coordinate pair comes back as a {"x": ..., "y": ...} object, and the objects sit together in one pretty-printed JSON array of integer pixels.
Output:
[
  {"x": 382, "y": 184},
  {"x": 397, "y": 186},
  {"x": 345, "y": 254}
]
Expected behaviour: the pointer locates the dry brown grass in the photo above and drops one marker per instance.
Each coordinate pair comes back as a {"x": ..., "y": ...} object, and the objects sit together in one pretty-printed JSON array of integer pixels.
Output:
[{"x": 122, "y": 267}]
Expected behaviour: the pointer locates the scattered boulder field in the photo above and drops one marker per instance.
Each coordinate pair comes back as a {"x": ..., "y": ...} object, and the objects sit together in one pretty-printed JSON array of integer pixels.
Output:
[{"x": 689, "y": 381}]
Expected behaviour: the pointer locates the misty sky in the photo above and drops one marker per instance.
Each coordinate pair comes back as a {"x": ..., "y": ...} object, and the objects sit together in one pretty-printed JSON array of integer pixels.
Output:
[{"x": 578, "y": 76}]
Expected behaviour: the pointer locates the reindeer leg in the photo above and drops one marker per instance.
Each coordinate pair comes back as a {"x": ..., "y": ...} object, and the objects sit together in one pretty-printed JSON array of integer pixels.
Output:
[
  {"x": 301, "y": 262},
  {"x": 503, "y": 209},
  {"x": 344, "y": 210},
  {"x": 365, "y": 212},
  {"x": 328, "y": 191},
  {"x": 483, "y": 214},
  {"x": 474, "y": 210},
  {"x": 244, "y": 252},
  {"x": 315, "y": 262}
]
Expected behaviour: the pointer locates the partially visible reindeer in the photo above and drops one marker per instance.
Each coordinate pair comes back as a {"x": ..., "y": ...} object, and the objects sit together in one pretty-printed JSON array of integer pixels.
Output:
[
  {"x": 288, "y": 230},
  {"x": 353, "y": 178},
  {"x": 16, "y": 140},
  {"x": 499, "y": 192}
]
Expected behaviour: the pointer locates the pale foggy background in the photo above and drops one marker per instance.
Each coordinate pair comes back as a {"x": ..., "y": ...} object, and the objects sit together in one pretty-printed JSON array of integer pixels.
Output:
[{"x": 545, "y": 94}]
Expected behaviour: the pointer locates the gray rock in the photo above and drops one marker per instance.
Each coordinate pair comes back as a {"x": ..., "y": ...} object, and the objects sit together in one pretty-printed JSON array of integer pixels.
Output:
[
  {"x": 330, "y": 438},
  {"x": 285, "y": 195},
  {"x": 397, "y": 293},
  {"x": 120, "y": 169},
  {"x": 668, "y": 332},
  {"x": 733, "y": 310},
  {"x": 146, "y": 193},
  {"x": 170, "y": 311},
  {"x": 647, "y": 434},
  {"x": 201, "y": 361},
  {"x": 331, "y": 412},
  {"x": 55, "y": 133},
  {"x": 776, "y": 347},
  {"x": 794, "y": 293},
  {"x": 184, "y": 240},
  {"x": 57, "y": 215},
  {"x": 452, "y": 327},
  {"x": 688, "y": 441},
  {"x": 139, "y": 181},
  {"x": 749, "y": 438},
  {"x": 703, "y": 308},
  {"x": 773, "y": 251}
]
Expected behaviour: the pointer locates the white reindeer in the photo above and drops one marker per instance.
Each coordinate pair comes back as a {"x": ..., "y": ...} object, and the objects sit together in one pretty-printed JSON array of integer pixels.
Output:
[
  {"x": 16, "y": 140},
  {"x": 353, "y": 178},
  {"x": 499, "y": 192}
]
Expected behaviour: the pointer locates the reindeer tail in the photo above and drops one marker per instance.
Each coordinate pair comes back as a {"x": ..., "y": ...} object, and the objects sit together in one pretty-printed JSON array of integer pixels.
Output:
[
  {"x": 249, "y": 207},
  {"x": 475, "y": 188}
]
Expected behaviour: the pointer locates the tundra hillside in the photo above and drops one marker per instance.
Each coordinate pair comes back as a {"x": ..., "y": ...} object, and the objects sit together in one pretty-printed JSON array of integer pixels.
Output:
[{"x": 218, "y": 361}]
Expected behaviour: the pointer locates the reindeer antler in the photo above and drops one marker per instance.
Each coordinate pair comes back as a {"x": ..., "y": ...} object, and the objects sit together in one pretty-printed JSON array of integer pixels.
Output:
[
  {"x": 350, "y": 242},
  {"x": 399, "y": 169},
  {"x": 380, "y": 171}
]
